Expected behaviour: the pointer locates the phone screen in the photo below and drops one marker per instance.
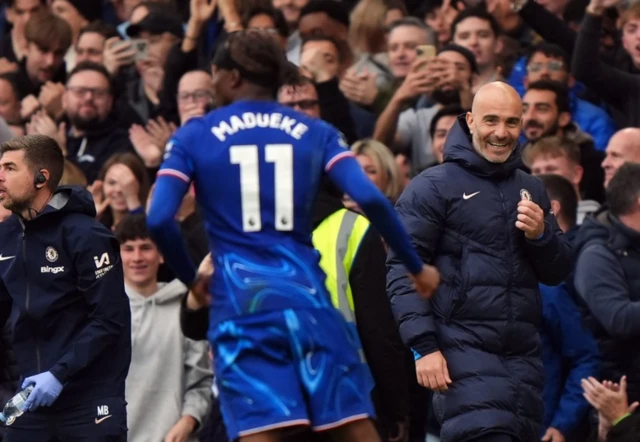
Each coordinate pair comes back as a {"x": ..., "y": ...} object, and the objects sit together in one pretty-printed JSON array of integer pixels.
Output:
[{"x": 141, "y": 47}]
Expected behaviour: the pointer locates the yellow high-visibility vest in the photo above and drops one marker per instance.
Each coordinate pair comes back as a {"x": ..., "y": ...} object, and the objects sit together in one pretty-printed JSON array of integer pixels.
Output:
[{"x": 338, "y": 239}]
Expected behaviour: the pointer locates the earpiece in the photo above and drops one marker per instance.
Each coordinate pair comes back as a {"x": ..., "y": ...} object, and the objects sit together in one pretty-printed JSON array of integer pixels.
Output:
[{"x": 39, "y": 179}]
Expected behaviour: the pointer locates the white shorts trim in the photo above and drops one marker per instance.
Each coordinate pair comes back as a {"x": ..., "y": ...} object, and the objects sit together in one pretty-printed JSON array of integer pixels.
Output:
[
  {"x": 284, "y": 424},
  {"x": 341, "y": 422}
]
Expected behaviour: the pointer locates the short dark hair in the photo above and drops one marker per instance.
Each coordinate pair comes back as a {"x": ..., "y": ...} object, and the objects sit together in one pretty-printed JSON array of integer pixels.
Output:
[
  {"x": 477, "y": 12},
  {"x": 335, "y": 10},
  {"x": 95, "y": 67},
  {"x": 276, "y": 15},
  {"x": 131, "y": 228},
  {"x": 451, "y": 110},
  {"x": 99, "y": 27},
  {"x": 550, "y": 50},
  {"x": 623, "y": 190},
  {"x": 40, "y": 153},
  {"x": 560, "y": 189},
  {"x": 561, "y": 91}
]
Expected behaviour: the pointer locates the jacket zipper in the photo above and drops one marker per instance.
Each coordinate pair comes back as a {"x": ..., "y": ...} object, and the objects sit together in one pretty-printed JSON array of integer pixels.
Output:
[
  {"x": 510, "y": 320},
  {"x": 510, "y": 280},
  {"x": 28, "y": 290}
]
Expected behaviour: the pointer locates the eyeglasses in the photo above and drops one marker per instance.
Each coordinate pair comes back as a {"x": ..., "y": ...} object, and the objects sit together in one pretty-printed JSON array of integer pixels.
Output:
[
  {"x": 199, "y": 95},
  {"x": 80, "y": 91},
  {"x": 553, "y": 66},
  {"x": 302, "y": 104}
]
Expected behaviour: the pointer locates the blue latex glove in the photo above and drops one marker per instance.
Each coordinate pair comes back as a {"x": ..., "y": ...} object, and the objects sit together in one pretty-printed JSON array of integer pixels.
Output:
[{"x": 46, "y": 389}]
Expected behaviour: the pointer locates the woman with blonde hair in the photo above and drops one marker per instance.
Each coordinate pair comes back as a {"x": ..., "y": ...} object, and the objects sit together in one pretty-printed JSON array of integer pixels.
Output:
[{"x": 378, "y": 163}]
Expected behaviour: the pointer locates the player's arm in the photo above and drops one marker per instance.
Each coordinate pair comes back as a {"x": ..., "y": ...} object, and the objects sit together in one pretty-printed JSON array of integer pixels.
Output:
[
  {"x": 172, "y": 183},
  {"x": 343, "y": 169}
]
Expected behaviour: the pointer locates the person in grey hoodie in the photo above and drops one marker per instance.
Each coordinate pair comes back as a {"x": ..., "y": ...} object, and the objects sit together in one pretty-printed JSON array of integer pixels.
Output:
[{"x": 168, "y": 389}]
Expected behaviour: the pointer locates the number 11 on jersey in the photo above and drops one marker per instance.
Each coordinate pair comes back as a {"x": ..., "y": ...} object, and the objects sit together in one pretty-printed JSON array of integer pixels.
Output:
[{"x": 281, "y": 155}]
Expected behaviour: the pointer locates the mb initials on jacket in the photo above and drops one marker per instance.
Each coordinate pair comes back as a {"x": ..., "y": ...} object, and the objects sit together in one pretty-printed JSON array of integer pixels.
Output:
[{"x": 103, "y": 410}]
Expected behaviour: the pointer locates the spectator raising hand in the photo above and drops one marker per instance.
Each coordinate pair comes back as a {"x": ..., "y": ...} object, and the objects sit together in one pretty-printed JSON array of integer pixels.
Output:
[
  {"x": 610, "y": 400},
  {"x": 99, "y": 199},
  {"x": 145, "y": 146},
  {"x": 29, "y": 106},
  {"x": 51, "y": 98},
  {"x": 149, "y": 141},
  {"x": 128, "y": 185},
  {"x": 315, "y": 62},
  {"x": 42, "y": 124},
  {"x": 360, "y": 87},
  {"x": 202, "y": 10},
  {"x": 160, "y": 131},
  {"x": 420, "y": 81},
  {"x": 598, "y": 6},
  {"x": 117, "y": 54}
]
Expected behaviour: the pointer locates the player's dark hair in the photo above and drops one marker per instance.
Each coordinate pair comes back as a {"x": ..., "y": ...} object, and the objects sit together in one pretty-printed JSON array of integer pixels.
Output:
[
  {"x": 258, "y": 59},
  {"x": 561, "y": 91},
  {"x": 40, "y": 153},
  {"x": 623, "y": 190},
  {"x": 560, "y": 189},
  {"x": 131, "y": 228}
]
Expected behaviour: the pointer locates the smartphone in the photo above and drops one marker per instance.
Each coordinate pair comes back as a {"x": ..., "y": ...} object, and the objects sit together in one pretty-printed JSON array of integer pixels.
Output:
[
  {"x": 426, "y": 51},
  {"x": 141, "y": 47}
]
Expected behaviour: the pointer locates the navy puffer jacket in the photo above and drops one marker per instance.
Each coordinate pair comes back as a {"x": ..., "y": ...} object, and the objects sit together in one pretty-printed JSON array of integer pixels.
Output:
[{"x": 485, "y": 315}]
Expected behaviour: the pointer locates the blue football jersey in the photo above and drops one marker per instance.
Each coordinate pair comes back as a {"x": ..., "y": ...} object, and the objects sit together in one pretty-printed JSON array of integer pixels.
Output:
[{"x": 256, "y": 167}]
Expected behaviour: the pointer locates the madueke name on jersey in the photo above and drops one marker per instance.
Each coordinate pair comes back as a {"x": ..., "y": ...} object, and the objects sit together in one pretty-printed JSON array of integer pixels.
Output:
[{"x": 250, "y": 120}]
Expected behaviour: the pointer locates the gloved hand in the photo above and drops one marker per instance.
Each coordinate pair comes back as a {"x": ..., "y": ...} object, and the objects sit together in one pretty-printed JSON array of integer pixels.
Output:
[{"x": 46, "y": 389}]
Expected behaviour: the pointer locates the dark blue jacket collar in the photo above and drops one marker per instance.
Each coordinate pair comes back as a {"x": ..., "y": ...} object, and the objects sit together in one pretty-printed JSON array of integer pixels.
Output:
[{"x": 66, "y": 199}]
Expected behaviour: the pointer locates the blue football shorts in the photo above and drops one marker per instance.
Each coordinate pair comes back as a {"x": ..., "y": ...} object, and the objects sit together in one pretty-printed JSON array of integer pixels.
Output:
[{"x": 290, "y": 367}]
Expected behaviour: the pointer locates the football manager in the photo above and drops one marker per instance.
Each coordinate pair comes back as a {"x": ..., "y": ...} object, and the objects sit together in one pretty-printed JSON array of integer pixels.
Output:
[{"x": 487, "y": 226}]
